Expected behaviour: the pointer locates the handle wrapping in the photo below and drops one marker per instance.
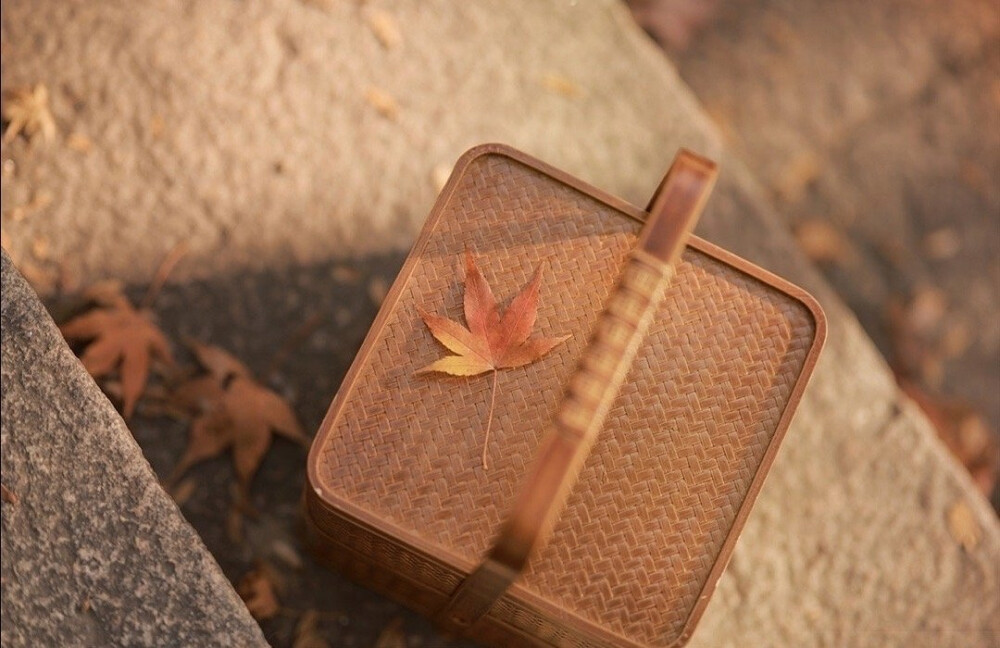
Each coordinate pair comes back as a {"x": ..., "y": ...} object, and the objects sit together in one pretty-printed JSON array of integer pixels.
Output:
[{"x": 591, "y": 390}]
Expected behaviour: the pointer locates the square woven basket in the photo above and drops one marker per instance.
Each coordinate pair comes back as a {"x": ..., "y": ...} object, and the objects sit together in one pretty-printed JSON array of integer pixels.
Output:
[{"x": 398, "y": 497}]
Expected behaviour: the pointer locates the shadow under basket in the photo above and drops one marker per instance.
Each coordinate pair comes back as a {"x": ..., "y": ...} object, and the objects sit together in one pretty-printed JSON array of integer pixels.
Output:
[{"x": 398, "y": 497}]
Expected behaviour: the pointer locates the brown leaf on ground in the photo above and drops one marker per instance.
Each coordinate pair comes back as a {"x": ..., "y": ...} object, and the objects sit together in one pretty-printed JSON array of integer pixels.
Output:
[
  {"x": 797, "y": 176},
  {"x": 257, "y": 591},
  {"x": 157, "y": 124},
  {"x": 183, "y": 491},
  {"x": 233, "y": 412},
  {"x": 919, "y": 331},
  {"x": 120, "y": 338},
  {"x": 491, "y": 342},
  {"x": 821, "y": 241},
  {"x": 941, "y": 244},
  {"x": 39, "y": 201},
  {"x": 27, "y": 112},
  {"x": 385, "y": 28},
  {"x": 964, "y": 432},
  {"x": 383, "y": 103},
  {"x": 963, "y": 526},
  {"x": 378, "y": 288},
  {"x": 80, "y": 143},
  {"x": 307, "y": 632},
  {"x": 287, "y": 554},
  {"x": 561, "y": 85},
  {"x": 219, "y": 363},
  {"x": 9, "y": 496},
  {"x": 345, "y": 274},
  {"x": 41, "y": 248},
  {"x": 392, "y": 636}
]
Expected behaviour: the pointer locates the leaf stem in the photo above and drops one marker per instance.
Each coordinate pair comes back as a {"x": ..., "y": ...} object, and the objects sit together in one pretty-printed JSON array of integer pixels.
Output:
[
  {"x": 175, "y": 254},
  {"x": 489, "y": 419}
]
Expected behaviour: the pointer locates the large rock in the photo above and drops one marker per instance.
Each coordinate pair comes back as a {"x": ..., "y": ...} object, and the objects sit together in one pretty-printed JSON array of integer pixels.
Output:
[
  {"x": 94, "y": 552},
  {"x": 245, "y": 129}
]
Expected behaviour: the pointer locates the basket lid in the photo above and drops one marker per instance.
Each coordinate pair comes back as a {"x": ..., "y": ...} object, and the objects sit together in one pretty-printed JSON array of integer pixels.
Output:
[{"x": 660, "y": 501}]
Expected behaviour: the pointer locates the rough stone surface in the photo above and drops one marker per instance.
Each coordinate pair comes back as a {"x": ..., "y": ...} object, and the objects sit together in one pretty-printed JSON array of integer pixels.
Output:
[
  {"x": 94, "y": 552},
  {"x": 268, "y": 159}
]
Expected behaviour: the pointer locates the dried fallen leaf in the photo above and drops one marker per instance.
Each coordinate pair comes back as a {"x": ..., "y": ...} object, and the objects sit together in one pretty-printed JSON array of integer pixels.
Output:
[
  {"x": 490, "y": 342},
  {"x": 257, "y": 591},
  {"x": 927, "y": 309},
  {"x": 307, "y": 633},
  {"x": 38, "y": 202},
  {"x": 821, "y": 241},
  {"x": 183, "y": 491},
  {"x": 942, "y": 244},
  {"x": 345, "y": 274},
  {"x": 9, "y": 496},
  {"x": 392, "y": 635},
  {"x": 561, "y": 85},
  {"x": 157, "y": 125},
  {"x": 383, "y": 103},
  {"x": 232, "y": 411},
  {"x": 378, "y": 288},
  {"x": 963, "y": 525},
  {"x": 27, "y": 111},
  {"x": 287, "y": 554},
  {"x": 80, "y": 143},
  {"x": 797, "y": 176},
  {"x": 972, "y": 175},
  {"x": 219, "y": 363},
  {"x": 956, "y": 339},
  {"x": 121, "y": 338},
  {"x": 383, "y": 24},
  {"x": 964, "y": 431},
  {"x": 106, "y": 292},
  {"x": 40, "y": 248}
]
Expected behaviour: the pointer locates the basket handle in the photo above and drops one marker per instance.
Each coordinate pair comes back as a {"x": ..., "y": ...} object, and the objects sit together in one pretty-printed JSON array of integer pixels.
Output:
[{"x": 591, "y": 390}]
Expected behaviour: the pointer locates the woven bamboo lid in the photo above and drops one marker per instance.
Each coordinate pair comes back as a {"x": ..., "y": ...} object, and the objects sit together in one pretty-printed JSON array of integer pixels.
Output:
[{"x": 660, "y": 501}]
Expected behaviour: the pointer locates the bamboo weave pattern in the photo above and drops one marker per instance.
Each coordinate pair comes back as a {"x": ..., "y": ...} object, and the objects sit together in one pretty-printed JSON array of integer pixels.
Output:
[{"x": 660, "y": 491}]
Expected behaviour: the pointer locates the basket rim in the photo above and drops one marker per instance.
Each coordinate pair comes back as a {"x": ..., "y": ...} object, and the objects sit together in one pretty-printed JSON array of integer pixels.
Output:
[{"x": 316, "y": 495}]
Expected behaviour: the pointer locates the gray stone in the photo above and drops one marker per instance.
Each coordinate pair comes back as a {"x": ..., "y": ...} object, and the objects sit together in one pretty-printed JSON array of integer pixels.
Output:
[
  {"x": 273, "y": 165},
  {"x": 94, "y": 552}
]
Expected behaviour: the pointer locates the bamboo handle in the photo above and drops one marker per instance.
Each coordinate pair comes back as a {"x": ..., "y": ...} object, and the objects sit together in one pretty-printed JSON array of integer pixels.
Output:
[{"x": 591, "y": 390}]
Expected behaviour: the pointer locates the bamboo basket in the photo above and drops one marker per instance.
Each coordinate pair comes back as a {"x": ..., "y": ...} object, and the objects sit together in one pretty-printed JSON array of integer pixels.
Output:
[{"x": 621, "y": 465}]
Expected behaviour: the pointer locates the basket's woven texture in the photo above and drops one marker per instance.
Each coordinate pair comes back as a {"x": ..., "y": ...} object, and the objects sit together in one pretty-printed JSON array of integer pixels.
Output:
[{"x": 661, "y": 489}]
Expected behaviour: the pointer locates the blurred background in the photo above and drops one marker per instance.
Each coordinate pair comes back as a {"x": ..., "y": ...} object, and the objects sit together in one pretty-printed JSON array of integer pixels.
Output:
[
  {"x": 266, "y": 164},
  {"x": 876, "y": 128}
]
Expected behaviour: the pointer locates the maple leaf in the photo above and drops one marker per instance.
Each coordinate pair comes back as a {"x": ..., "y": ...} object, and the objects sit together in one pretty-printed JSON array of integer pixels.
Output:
[
  {"x": 27, "y": 111},
  {"x": 232, "y": 412},
  {"x": 257, "y": 589},
  {"x": 121, "y": 338},
  {"x": 307, "y": 633},
  {"x": 491, "y": 342}
]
